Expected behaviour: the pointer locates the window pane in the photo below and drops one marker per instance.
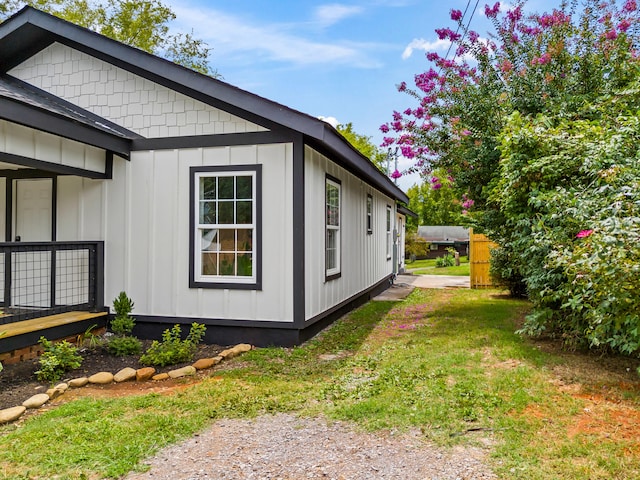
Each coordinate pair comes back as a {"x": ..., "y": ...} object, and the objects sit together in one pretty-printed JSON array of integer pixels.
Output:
[
  {"x": 208, "y": 212},
  {"x": 245, "y": 240},
  {"x": 225, "y": 213},
  {"x": 208, "y": 188},
  {"x": 332, "y": 237},
  {"x": 225, "y": 187},
  {"x": 209, "y": 264},
  {"x": 245, "y": 265},
  {"x": 244, "y": 187},
  {"x": 209, "y": 240},
  {"x": 333, "y": 216},
  {"x": 227, "y": 240},
  {"x": 227, "y": 264},
  {"x": 244, "y": 212}
]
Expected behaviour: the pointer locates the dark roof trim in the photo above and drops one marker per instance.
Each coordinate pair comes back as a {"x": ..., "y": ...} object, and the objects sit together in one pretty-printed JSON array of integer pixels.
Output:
[
  {"x": 45, "y": 121},
  {"x": 404, "y": 210},
  {"x": 202, "y": 141},
  {"x": 31, "y": 30},
  {"x": 56, "y": 168}
]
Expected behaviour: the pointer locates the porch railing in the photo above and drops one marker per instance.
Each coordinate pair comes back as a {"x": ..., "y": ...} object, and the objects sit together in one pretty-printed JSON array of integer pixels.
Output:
[{"x": 45, "y": 278}]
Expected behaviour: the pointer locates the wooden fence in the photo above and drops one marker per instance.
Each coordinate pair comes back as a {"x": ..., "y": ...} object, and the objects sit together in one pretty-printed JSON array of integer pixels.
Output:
[{"x": 479, "y": 256}]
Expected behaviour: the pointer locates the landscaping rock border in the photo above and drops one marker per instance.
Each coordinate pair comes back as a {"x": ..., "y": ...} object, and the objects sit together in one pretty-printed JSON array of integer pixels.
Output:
[{"x": 126, "y": 374}]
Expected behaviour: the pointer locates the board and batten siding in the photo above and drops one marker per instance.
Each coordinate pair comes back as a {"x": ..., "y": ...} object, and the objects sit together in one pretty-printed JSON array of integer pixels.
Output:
[
  {"x": 140, "y": 105},
  {"x": 30, "y": 143},
  {"x": 363, "y": 256},
  {"x": 143, "y": 216}
]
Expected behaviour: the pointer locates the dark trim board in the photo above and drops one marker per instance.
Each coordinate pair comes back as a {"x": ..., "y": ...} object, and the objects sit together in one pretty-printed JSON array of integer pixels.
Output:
[
  {"x": 49, "y": 169},
  {"x": 257, "y": 333},
  {"x": 219, "y": 140}
]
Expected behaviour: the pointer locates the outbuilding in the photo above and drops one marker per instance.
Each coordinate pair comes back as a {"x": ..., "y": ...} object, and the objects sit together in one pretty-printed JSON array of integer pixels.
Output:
[{"x": 120, "y": 170}]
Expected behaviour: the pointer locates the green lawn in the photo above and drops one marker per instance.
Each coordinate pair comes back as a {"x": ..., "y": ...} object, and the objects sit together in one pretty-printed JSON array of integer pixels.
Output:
[
  {"x": 428, "y": 267},
  {"x": 445, "y": 361}
]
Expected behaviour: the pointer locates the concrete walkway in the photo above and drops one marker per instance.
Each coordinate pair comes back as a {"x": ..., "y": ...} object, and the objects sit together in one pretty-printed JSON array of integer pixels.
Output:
[{"x": 405, "y": 284}]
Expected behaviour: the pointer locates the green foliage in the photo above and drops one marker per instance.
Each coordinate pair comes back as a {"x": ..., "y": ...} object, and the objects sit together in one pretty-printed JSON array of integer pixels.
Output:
[
  {"x": 447, "y": 260},
  {"x": 415, "y": 247},
  {"x": 570, "y": 190},
  {"x": 1, "y": 367},
  {"x": 172, "y": 349},
  {"x": 143, "y": 24},
  {"x": 123, "y": 323},
  {"x": 57, "y": 359},
  {"x": 123, "y": 346},
  {"x": 503, "y": 273},
  {"x": 435, "y": 201}
]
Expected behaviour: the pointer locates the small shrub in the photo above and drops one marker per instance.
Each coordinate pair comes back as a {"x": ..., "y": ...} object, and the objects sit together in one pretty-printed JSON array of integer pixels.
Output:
[
  {"x": 172, "y": 349},
  {"x": 123, "y": 322},
  {"x": 446, "y": 261},
  {"x": 124, "y": 345},
  {"x": 57, "y": 359},
  {"x": 88, "y": 339}
]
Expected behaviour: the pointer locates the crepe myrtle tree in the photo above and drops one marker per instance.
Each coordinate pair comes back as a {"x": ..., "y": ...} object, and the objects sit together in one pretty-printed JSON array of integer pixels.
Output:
[{"x": 536, "y": 107}]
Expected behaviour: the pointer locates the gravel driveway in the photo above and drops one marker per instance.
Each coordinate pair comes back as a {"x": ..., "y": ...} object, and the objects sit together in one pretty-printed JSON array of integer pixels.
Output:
[{"x": 290, "y": 448}]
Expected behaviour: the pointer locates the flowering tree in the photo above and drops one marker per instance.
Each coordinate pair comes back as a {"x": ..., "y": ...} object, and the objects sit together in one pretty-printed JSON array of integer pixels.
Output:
[{"x": 569, "y": 76}]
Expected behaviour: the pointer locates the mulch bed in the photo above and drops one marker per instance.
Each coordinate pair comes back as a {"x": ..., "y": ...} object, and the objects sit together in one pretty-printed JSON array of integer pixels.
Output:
[{"x": 18, "y": 381}]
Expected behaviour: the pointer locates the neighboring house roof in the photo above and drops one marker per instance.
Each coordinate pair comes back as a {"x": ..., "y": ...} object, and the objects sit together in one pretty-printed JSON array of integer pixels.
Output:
[
  {"x": 30, "y": 31},
  {"x": 444, "y": 234}
]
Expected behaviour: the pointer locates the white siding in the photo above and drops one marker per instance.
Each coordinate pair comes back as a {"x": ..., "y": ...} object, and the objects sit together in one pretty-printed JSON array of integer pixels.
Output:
[
  {"x": 143, "y": 216},
  {"x": 133, "y": 102},
  {"x": 30, "y": 143},
  {"x": 363, "y": 259}
]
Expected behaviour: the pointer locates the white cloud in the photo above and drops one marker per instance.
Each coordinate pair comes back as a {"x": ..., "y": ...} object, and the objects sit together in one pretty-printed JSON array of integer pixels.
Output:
[
  {"x": 333, "y": 13},
  {"x": 422, "y": 44},
  {"x": 333, "y": 121},
  {"x": 232, "y": 35}
]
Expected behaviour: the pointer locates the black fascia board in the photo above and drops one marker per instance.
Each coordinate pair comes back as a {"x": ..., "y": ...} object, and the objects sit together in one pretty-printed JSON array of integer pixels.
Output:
[
  {"x": 209, "y": 90},
  {"x": 404, "y": 210},
  {"x": 45, "y": 121}
]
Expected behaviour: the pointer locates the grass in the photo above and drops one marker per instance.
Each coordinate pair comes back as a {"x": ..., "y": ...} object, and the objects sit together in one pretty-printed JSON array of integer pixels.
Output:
[
  {"x": 444, "y": 361},
  {"x": 428, "y": 267}
]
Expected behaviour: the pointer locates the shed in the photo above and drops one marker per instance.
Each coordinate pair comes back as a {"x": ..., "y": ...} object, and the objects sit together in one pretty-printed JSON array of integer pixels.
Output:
[
  {"x": 441, "y": 237},
  {"x": 206, "y": 203}
]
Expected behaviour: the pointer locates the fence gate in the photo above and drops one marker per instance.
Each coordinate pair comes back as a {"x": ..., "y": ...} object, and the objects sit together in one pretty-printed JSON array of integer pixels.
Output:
[{"x": 479, "y": 247}]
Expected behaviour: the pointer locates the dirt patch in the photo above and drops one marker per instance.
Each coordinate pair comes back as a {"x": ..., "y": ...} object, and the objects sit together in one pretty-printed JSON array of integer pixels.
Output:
[{"x": 18, "y": 381}]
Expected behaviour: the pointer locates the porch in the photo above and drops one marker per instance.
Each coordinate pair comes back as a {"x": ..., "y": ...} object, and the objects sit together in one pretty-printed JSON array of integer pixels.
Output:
[{"x": 53, "y": 289}]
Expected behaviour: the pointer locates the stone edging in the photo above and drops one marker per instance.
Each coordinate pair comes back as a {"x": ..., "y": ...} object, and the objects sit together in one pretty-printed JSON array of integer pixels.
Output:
[{"x": 125, "y": 375}]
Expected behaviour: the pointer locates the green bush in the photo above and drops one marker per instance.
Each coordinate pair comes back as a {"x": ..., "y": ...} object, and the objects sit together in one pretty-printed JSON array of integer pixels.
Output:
[
  {"x": 124, "y": 345},
  {"x": 123, "y": 322},
  {"x": 445, "y": 261},
  {"x": 172, "y": 349},
  {"x": 57, "y": 359}
]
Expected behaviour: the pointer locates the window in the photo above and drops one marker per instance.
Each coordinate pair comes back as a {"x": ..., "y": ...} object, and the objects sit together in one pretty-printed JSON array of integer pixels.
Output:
[
  {"x": 369, "y": 214},
  {"x": 389, "y": 240},
  {"x": 226, "y": 224},
  {"x": 332, "y": 245}
]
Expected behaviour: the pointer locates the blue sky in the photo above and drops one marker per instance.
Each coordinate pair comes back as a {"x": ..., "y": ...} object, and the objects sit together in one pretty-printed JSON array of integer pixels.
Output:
[{"x": 340, "y": 59}]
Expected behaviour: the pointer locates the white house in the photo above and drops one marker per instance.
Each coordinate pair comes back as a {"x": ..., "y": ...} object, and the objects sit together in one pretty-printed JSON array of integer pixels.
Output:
[{"x": 122, "y": 171}]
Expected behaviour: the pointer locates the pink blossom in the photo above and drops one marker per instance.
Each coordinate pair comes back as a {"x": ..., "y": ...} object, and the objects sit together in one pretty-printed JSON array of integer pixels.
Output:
[
  {"x": 611, "y": 35},
  {"x": 397, "y": 126},
  {"x": 387, "y": 141},
  {"x": 432, "y": 56},
  {"x": 506, "y": 66},
  {"x": 407, "y": 151},
  {"x": 584, "y": 233},
  {"x": 396, "y": 174},
  {"x": 630, "y": 6},
  {"x": 397, "y": 115},
  {"x": 402, "y": 87},
  {"x": 456, "y": 15},
  {"x": 435, "y": 179},
  {"x": 468, "y": 203},
  {"x": 444, "y": 33},
  {"x": 461, "y": 50},
  {"x": 466, "y": 132},
  {"x": 407, "y": 111},
  {"x": 624, "y": 25},
  {"x": 384, "y": 128},
  {"x": 436, "y": 186},
  {"x": 473, "y": 36},
  {"x": 492, "y": 12}
]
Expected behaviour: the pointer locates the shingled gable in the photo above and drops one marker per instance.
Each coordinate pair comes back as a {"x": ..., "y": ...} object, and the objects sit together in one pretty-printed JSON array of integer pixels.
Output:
[{"x": 30, "y": 31}]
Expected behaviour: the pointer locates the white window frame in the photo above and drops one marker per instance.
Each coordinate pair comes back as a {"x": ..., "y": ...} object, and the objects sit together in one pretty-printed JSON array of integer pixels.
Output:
[
  {"x": 389, "y": 229},
  {"x": 335, "y": 270},
  {"x": 199, "y": 279}
]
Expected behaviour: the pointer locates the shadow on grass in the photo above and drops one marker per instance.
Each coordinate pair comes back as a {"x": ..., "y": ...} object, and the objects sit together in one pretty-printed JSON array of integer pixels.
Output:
[{"x": 324, "y": 353}]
